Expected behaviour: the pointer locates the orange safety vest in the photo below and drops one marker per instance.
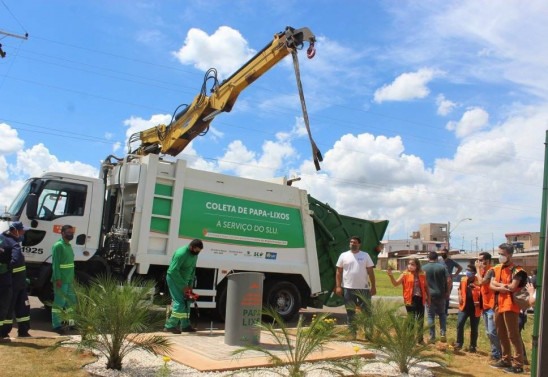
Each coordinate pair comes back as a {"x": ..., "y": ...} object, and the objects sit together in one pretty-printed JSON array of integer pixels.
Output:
[
  {"x": 476, "y": 291},
  {"x": 505, "y": 275},
  {"x": 408, "y": 283},
  {"x": 487, "y": 294}
]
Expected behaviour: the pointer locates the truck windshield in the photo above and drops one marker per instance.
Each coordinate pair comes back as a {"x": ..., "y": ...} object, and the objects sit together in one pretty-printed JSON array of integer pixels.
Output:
[{"x": 17, "y": 206}]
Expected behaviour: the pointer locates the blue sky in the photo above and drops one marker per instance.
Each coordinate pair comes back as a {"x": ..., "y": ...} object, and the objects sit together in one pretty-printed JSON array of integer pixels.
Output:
[{"x": 427, "y": 111}]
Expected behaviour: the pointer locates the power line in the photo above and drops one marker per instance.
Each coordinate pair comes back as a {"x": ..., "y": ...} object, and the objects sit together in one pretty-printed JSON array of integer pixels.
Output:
[{"x": 15, "y": 18}]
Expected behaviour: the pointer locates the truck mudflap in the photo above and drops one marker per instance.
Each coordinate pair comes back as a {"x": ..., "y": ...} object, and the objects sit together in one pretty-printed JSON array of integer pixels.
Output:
[{"x": 333, "y": 232}]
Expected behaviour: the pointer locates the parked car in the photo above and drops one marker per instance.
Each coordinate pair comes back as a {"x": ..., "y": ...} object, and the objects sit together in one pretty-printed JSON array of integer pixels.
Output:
[{"x": 454, "y": 298}]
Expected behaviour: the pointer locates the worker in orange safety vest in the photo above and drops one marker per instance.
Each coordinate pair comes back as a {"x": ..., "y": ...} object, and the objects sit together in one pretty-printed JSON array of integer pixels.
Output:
[{"x": 469, "y": 307}]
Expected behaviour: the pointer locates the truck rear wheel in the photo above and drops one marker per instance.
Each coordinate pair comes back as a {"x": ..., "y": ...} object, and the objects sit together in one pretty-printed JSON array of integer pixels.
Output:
[
  {"x": 284, "y": 297},
  {"x": 220, "y": 310}
]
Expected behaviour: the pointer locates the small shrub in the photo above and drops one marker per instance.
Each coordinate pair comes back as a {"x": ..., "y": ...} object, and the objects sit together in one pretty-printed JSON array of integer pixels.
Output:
[
  {"x": 114, "y": 319},
  {"x": 397, "y": 337},
  {"x": 164, "y": 370},
  {"x": 354, "y": 365},
  {"x": 296, "y": 348}
]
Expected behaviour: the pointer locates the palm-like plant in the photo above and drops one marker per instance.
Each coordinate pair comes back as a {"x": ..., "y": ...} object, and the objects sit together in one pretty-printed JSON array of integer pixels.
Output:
[
  {"x": 396, "y": 336},
  {"x": 114, "y": 319},
  {"x": 297, "y": 344},
  {"x": 374, "y": 316}
]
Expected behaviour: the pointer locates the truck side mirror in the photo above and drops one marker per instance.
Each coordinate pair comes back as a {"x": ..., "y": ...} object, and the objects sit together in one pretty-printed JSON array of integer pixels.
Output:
[{"x": 32, "y": 206}]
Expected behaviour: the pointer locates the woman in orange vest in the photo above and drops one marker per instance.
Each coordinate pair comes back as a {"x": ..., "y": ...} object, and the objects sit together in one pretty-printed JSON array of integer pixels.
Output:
[
  {"x": 469, "y": 307},
  {"x": 415, "y": 292}
]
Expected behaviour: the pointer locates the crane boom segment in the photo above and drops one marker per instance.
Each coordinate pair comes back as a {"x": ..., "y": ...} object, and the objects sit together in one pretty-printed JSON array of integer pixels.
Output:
[{"x": 195, "y": 119}]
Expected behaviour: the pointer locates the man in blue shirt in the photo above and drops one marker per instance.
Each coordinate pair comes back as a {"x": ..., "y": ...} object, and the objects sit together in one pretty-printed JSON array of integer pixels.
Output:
[
  {"x": 450, "y": 266},
  {"x": 439, "y": 284}
]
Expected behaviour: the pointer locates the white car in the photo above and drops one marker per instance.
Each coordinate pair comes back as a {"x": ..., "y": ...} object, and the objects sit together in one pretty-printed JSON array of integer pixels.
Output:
[{"x": 454, "y": 298}]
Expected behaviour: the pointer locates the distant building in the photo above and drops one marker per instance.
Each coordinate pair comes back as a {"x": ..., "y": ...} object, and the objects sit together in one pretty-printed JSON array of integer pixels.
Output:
[
  {"x": 394, "y": 248},
  {"x": 433, "y": 232},
  {"x": 524, "y": 241}
]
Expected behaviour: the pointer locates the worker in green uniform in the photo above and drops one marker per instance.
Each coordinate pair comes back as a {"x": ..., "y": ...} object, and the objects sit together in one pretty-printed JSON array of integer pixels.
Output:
[
  {"x": 62, "y": 277},
  {"x": 180, "y": 277}
]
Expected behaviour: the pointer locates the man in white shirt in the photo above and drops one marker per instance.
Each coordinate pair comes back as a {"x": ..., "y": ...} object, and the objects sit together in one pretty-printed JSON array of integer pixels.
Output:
[{"x": 355, "y": 277}]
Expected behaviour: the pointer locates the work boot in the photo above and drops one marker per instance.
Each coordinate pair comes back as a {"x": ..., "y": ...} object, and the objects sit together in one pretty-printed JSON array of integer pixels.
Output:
[
  {"x": 516, "y": 370},
  {"x": 501, "y": 364},
  {"x": 60, "y": 330},
  {"x": 189, "y": 329},
  {"x": 173, "y": 330}
]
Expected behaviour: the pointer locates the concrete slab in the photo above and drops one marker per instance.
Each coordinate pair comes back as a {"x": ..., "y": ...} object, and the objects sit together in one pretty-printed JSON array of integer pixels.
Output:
[{"x": 206, "y": 351}]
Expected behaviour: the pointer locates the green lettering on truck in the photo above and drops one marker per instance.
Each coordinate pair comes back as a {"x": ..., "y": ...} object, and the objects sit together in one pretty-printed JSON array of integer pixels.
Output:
[{"x": 238, "y": 221}]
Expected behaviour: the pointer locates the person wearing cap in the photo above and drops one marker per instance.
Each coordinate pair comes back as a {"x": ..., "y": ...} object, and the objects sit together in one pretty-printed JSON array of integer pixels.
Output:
[
  {"x": 18, "y": 303},
  {"x": 62, "y": 277}
]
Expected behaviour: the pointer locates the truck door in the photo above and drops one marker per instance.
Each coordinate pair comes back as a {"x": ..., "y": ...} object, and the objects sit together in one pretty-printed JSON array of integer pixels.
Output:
[{"x": 60, "y": 203}]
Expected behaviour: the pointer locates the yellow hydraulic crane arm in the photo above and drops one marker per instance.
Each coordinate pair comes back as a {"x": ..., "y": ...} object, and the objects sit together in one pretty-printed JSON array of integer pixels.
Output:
[{"x": 194, "y": 120}]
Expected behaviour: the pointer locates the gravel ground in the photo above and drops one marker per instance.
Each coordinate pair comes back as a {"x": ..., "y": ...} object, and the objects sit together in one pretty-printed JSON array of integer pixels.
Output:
[{"x": 144, "y": 364}]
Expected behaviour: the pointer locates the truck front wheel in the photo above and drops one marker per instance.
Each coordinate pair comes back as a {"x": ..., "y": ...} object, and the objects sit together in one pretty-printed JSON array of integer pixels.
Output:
[{"x": 284, "y": 297}]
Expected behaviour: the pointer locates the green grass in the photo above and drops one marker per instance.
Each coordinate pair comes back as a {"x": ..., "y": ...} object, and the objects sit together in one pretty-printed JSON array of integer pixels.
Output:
[{"x": 384, "y": 286}]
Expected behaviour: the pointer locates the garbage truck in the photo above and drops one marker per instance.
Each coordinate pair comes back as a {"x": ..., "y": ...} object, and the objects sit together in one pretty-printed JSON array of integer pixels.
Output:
[{"x": 130, "y": 220}]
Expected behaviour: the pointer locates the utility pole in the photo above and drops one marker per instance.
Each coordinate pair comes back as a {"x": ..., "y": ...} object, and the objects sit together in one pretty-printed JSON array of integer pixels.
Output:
[
  {"x": 25, "y": 36},
  {"x": 449, "y": 231}
]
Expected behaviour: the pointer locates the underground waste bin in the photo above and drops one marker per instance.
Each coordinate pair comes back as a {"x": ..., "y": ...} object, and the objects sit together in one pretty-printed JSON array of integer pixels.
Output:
[{"x": 244, "y": 304}]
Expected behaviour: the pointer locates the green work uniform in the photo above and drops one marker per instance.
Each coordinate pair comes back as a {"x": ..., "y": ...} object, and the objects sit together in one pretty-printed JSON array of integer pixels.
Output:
[
  {"x": 62, "y": 265},
  {"x": 180, "y": 275}
]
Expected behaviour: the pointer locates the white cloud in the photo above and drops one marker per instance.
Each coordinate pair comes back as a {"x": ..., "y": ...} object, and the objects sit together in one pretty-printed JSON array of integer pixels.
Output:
[
  {"x": 298, "y": 130},
  {"x": 138, "y": 124},
  {"x": 407, "y": 86},
  {"x": 512, "y": 43},
  {"x": 368, "y": 177},
  {"x": 38, "y": 160},
  {"x": 11, "y": 142},
  {"x": 480, "y": 154},
  {"x": 4, "y": 176},
  {"x": 8, "y": 192},
  {"x": 116, "y": 146},
  {"x": 490, "y": 173},
  {"x": 445, "y": 106},
  {"x": 472, "y": 121},
  {"x": 225, "y": 50},
  {"x": 151, "y": 36},
  {"x": 34, "y": 162},
  {"x": 195, "y": 161},
  {"x": 215, "y": 133},
  {"x": 246, "y": 163},
  {"x": 322, "y": 77}
]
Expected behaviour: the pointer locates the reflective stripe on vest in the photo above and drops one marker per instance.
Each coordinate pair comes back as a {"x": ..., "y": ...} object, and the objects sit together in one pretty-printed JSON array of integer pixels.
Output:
[
  {"x": 67, "y": 265},
  {"x": 19, "y": 269}
]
